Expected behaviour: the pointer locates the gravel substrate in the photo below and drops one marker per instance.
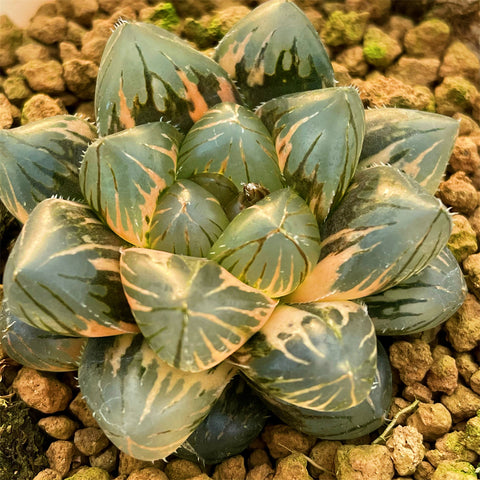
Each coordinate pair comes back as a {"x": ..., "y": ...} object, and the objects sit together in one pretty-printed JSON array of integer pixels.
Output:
[{"x": 413, "y": 54}]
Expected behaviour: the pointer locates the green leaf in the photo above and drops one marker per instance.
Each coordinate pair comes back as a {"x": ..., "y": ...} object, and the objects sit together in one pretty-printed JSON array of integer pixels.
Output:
[
  {"x": 318, "y": 137},
  {"x": 348, "y": 424},
  {"x": 271, "y": 245},
  {"x": 422, "y": 301},
  {"x": 320, "y": 356},
  {"x": 193, "y": 313},
  {"x": 236, "y": 419},
  {"x": 418, "y": 143},
  {"x": 63, "y": 273},
  {"x": 187, "y": 220},
  {"x": 231, "y": 140},
  {"x": 123, "y": 174},
  {"x": 148, "y": 73},
  {"x": 37, "y": 348},
  {"x": 146, "y": 408},
  {"x": 273, "y": 51},
  {"x": 41, "y": 159},
  {"x": 386, "y": 229}
]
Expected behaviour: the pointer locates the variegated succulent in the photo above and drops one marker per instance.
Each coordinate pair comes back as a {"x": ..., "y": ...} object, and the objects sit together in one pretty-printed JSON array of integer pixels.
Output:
[{"x": 235, "y": 216}]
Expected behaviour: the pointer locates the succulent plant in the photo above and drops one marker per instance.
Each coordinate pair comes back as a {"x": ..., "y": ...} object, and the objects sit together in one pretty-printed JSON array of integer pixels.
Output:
[{"x": 235, "y": 217}]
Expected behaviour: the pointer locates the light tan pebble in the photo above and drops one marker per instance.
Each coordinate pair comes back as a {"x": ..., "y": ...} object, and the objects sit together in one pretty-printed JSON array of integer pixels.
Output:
[
  {"x": 475, "y": 382},
  {"x": 463, "y": 327},
  {"x": 465, "y": 156},
  {"x": 261, "y": 472},
  {"x": 181, "y": 469},
  {"x": 232, "y": 468},
  {"x": 281, "y": 440},
  {"x": 415, "y": 71},
  {"x": 454, "y": 470},
  {"x": 462, "y": 403},
  {"x": 148, "y": 473},
  {"x": 48, "y": 474},
  {"x": 417, "y": 391},
  {"x": 459, "y": 193},
  {"x": 60, "y": 427},
  {"x": 466, "y": 365},
  {"x": 33, "y": 51},
  {"x": 90, "y": 440},
  {"x": 6, "y": 115},
  {"x": 428, "y": 39},
  {"x": 78, "y": 406},
  {"x": 363, "y": 462},
  {"x": 323, "y": 454},
  {"x": 107, "y": 460},
  {"x": 128, "y": 464},
  {"x": 60, "y": 455},
  {"x": 443, "y": 375},
  {"x": 42, "y": 391},
  {"x": 424, "y": 471},
  {"x": 45, "y": 76},
  {"x": 48, "y": 29},
  {"x": 406, "y": 449},
  {"x": 411, "y": 359},
  {"x": 294, "y": 466},
  {"x": 68, "y": 51},
  {"x": 353, "y": 60},
  {"x": 460, "y": 60},
  {"x": 41, "y": 106},
  {"x": 431, "y": 420},
  {"x": 467, "y": 124},
  {"x": 80, "y": 76},
  {"x": 258, "y": 456}
]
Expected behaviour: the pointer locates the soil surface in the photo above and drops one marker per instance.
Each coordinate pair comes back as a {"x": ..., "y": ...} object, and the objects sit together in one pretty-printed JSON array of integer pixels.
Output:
[{"x": 399, "y": 53}]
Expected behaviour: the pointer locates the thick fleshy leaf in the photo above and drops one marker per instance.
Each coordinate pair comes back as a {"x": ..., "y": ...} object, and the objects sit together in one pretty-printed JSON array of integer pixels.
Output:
[
  {"x": 422, "y": 301},
  {"x": 37, "y": 348},
  {"x": 41, "y": 159},
  {"x": 231, "y": 140},
  {"x": 318, "y": 137},
  {"x": 320, "y": 356},
  {"x": 193, "y": 313},
  {"x": 236, "y": 419},
  {"x": 271, "y": 245},
  {"x": 347, "y": 424},
  {"x": 273, "y": 51},
  {"x": 223, "y": 189},
  {"x": 148, "y": 73},
  {"x": 386, "y": 229},
  {"x": 63, "y": 273},
  {"x": 187, "y": 220},
  {"x": 123, "y": 174},
  {"x": 419, "y": 143},
  {"x": 145, "y": 407}
]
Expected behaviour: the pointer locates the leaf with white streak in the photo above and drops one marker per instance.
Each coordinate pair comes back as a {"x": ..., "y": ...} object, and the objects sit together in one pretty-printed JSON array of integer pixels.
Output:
[
  {"x": 419, "y": 143},
  {"x": 145, "y": 407},
  {"x": 193, "y": 313},
  {"x": 320, "y": 356},
  {"x": 63, "y": 273},
  {"x": 123, "y": 174}
]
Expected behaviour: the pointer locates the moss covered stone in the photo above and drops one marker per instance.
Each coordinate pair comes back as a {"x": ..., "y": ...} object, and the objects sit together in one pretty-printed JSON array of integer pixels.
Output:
[
  {"x": 472, "y": 434},
  {"x": 16, "y": 89},
  {"x": 163, "y": 15},
  {"x": 463, "y": 239},
  {"x": 10, "y": 39},
  {"x": 428, "y": 39},
  {"x": 92, "y": 473},
  {"x": 455, "y": 94},
  {"x": 344, "y": 28},
  {"x": 452, "y": 470},
  {"x": 379, "y": 49}
]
